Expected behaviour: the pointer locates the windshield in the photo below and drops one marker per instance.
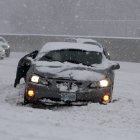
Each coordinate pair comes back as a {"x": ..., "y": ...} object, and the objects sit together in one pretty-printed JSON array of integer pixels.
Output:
[{"x": 73, "y": 56}]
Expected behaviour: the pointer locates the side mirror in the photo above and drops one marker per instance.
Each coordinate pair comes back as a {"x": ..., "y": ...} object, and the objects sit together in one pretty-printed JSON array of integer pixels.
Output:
[{"x": 115, "y": 67}]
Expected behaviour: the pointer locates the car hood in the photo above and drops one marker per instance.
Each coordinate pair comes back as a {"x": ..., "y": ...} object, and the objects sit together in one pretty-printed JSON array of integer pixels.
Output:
[{"x": 68, "y": 71}]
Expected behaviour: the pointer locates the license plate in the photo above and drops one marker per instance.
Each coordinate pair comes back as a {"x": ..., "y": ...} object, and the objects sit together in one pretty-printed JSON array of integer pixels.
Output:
[{"x": 68, "y": 96}]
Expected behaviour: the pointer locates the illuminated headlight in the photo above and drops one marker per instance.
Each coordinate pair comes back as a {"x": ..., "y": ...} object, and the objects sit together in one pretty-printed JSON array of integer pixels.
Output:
[
  {"x": 104, "y": 83},
  {"x": 3, "y": 51},
  {"x": 35, "y": 79},
  {"x": 39, "y": 80}
]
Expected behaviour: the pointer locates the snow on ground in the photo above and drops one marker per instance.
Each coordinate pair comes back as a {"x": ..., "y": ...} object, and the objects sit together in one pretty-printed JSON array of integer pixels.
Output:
[{"x": 119, "y": 120}]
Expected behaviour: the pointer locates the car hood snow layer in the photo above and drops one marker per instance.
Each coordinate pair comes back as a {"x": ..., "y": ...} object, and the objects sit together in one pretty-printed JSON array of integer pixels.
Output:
[{"x": 68, "y": 71}]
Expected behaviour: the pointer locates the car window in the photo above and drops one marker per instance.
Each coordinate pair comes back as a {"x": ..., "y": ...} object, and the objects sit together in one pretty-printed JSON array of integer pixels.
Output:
[{"x": 73, "y": 56}]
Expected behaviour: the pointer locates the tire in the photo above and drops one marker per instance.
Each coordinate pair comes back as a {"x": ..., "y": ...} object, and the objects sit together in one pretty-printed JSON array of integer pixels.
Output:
[
  {"x": 7, "y": 54},
  {"x": 25, "y": 101},
  {"x": 2, "y": 58}
]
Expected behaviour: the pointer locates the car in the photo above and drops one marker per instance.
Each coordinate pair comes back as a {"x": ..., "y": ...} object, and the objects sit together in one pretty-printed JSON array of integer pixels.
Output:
[
  {"x": 5, "y": 46},
  {"x": 2, "y": 52},
  {"x": 70, "y": 72}
]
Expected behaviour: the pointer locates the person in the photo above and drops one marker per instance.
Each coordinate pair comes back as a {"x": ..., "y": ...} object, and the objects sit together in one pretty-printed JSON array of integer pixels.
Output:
[{"x": 23, "y": 66}]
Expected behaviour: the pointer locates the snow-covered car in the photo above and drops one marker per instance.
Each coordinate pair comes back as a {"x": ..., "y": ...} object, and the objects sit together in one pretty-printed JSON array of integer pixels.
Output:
[
  {"x": 5, "y": 46},
  {"x": 70, "y": 72},
  {"x": 2, "y": 52}
]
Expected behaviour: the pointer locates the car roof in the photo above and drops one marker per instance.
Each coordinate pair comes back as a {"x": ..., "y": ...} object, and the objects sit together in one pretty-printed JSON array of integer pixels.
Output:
[
  {"x": 88, "y": 41},
  {"x": 50, "y": 46},
  {"x": 82, "y": 40}
]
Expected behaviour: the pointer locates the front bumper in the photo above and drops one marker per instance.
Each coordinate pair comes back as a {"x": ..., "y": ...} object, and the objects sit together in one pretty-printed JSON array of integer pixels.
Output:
[{"x": 53, "y": 93}]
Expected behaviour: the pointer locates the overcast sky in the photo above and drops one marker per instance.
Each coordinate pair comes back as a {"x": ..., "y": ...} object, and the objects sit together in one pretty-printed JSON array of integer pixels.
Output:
[{"x": 71, "y": 17}]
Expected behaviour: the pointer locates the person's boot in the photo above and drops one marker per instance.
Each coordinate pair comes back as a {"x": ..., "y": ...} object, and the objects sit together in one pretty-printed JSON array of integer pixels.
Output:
[{"x": 16, "y": 82}]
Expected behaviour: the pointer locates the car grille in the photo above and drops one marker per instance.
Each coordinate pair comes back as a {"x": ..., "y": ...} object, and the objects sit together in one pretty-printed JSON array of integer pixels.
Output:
[
  {"x": 69, "y": 82},
  {"x": 70, "y": 86},
  {"x": 66, "y": 85}
]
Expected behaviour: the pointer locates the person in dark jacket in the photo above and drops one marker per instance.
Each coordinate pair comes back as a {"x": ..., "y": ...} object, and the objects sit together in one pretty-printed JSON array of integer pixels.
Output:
[{"x": 23, "y": 66}]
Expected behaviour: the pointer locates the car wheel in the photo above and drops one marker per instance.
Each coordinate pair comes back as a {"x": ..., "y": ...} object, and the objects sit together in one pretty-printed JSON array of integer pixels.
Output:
[
  {"x": 25, "y": 100},
  {"x": 8, "y": 54}
]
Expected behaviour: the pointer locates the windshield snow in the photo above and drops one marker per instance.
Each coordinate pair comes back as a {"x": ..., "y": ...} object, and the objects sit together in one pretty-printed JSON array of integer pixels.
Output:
[{"x": 73, "y": 56}]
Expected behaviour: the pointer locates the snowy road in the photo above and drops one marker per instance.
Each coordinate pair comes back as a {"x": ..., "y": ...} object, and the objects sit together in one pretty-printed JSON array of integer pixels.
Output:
[{"x": 116, "y": 121}]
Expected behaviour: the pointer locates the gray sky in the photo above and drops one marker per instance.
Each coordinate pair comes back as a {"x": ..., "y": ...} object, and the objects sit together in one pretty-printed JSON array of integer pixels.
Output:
[{"x": 71, "y": 17}]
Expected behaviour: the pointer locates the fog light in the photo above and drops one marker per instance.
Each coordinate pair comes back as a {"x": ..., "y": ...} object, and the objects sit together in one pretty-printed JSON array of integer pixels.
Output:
[
  {"x": 31, "y": 93},
  {"x": 106, "y": 98}
]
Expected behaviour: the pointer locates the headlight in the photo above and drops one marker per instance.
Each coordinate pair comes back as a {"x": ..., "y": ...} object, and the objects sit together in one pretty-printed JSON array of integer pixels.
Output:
[
  {"x": 100, "y": 84},
  {"x": 39, "y": 80},
  {"x": 104, "y": 83},
  {"x": 35, "y": 79},
  {"x": 3, "y": 51}
]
